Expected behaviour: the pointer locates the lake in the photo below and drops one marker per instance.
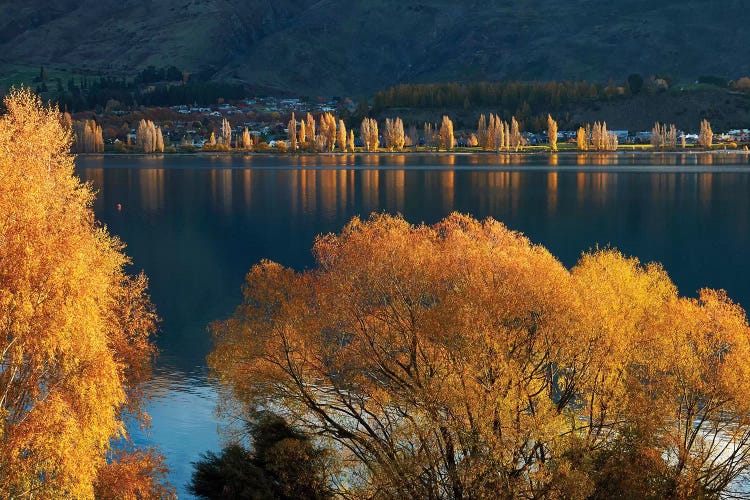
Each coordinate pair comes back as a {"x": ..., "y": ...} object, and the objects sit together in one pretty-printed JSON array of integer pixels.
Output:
[{"x": 196, "y": 224}]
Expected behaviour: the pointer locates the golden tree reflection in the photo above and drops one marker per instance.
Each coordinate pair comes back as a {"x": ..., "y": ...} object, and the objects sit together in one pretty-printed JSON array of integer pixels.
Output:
[
  {"x": 221, "y": 189},
  {"x": 552, "y": 192},
  {"x": 151, "y": 184}
]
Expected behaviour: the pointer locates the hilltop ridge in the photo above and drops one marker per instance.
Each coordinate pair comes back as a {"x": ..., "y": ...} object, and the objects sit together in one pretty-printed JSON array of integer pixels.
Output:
[{"x": 341, "y": 47}]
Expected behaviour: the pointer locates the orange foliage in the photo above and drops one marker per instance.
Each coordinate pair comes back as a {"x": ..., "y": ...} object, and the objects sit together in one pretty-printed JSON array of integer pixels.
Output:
[
  {"x": 459, "y": 359},
  {"x": 75, "y": 329},
  {"x": 138, "y": 475}
]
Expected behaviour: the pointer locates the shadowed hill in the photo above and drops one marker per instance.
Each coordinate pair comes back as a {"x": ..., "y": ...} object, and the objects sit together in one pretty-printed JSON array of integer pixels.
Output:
[{"x": 332, "y": 47}]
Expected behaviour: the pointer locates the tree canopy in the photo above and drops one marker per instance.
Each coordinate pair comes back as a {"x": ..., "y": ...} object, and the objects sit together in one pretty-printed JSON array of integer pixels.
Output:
[
  {"x": 460, "y": 360},
  {"x": 76, "y": 329}
]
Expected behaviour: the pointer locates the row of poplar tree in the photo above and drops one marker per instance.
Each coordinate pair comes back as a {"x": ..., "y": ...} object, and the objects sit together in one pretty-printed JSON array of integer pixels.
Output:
[{"x": 327, "y": 134}]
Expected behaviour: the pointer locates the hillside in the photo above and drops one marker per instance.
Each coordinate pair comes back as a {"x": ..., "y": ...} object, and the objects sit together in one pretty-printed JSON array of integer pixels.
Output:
[{"x": 353, "y": 47}]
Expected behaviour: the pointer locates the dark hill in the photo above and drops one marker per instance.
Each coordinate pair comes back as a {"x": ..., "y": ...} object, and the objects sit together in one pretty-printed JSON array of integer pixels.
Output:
[{"x": 350, "y": 47}]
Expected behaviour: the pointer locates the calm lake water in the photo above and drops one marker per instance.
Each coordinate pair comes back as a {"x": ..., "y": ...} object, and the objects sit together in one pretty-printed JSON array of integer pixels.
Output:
[{"x": 195, "y": 225}]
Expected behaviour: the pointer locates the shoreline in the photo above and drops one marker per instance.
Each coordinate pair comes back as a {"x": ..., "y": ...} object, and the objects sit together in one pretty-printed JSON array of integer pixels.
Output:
[{"x": 264, "y": 154}]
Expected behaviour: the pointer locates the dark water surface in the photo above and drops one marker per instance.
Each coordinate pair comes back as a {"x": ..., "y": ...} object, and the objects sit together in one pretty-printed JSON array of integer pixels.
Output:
[{"x": 196, "y": 224}]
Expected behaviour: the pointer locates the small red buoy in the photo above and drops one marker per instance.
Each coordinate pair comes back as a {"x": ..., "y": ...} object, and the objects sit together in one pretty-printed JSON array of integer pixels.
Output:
[{"x": 119, "y": 207}]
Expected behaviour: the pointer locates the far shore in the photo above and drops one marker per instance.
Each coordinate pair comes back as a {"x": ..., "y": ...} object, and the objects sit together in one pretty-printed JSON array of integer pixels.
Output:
[{"x": 456, "y": 152}]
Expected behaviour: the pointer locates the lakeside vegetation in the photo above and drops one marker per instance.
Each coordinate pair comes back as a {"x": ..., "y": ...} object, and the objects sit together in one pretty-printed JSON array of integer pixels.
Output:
[
  {"x": 449, "y": 361},
  {"x": 459, "y": 360},
  {"x": 77, "y": 342}
]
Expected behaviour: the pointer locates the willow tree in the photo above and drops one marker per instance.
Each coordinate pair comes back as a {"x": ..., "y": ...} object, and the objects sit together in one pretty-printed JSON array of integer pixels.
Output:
[
  {"x": 461, "y": 361},
  {"x": 75, "y": 346}
]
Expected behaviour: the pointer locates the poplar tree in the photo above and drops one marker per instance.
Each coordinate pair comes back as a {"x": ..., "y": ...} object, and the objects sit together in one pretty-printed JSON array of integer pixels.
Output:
[
  {"x": 413, "y": 136},
  {"x": 672, "y": 136},
  {"x": 499, "y": 135},
  {"x": 706, "y": 135},
  {"x": 327, "y": 132},
  {"x": 341, "y": 136},
  {"x": 582, "y": 140},
  {"x": 145, "y": 137},
  {"x": 516, "y": 139},
  {"x": 369, "y": 134},
  {"x": 246, "y": 141},
  {"x": 483, "y": 132},
  {"x": 552, "y": 133},
  {"x": 447, "y": 139},
  {"x": 310, "y": 127},
  {"x": 226, "y": 132},
  {"x": 158, "y": 140},
  {"x": 394, "y": 134},
  {"x": 302, "y": 134},
  {"x": 292, "y": 133},
  {"x": 350, "y": 142},
  {"x": 431, "y": 136}
]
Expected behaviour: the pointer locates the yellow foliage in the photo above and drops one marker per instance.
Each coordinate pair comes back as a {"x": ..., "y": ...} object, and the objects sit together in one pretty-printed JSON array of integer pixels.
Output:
[
  {"x": 76, "y": 329},
  {"x": 459, "y": 359}
]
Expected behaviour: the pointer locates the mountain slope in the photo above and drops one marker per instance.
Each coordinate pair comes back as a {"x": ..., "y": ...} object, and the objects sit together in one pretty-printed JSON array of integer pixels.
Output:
[{"x": 349, "y": 47}]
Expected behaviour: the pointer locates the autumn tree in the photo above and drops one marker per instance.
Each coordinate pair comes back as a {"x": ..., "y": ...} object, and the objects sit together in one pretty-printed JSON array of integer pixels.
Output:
[
  {"x": 76, "y": 346},
  {"x": 431, "y": 136},
  {"x": 341, "y": 136},
  {"x": 245, "y": 141},
  {"x": 87, "y": 136},
  {"x": 310, "y": 127},
  {"x": 158, "y": 140},
  {"x": 482, "y": 132},
  {"x": 302, "y": 134},
  {"x": 552, "y": 133},
  {"x": 292, "y": 133},
  {"x": 461, "y": 361},
  {"x": 706, "y": 135},
  {"x": 145, "y": 137},
  {"x": 394, "y": 134},
  {"x": 350, "y": 142},
  {"x": 413, "y": 136},
  {"x": 226, "y": 132},
  {"x": 658, "y": 135},
  {"x": 447, "y": 140},
  {"x": 671, "y": 136},
  {"x": 327, "y": 131},
  {"x": 582, "y": 140},
  {"x": 369, "y": 134},
  {"x": 516, "y": 138}
]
